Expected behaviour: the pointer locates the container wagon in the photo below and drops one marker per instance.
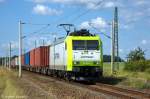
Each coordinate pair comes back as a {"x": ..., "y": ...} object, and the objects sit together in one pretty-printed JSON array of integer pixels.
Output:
[
  {"x": 27, "y": 59},
  {"x": 32, "y": 57},
  {"x": 14, "y": 62},
  {"x": 22, "y": 60},
  {"x": 39, "y": 59}
]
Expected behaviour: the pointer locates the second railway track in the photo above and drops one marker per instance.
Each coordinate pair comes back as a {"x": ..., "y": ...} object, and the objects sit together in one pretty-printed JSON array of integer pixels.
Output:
[{"x": 120, "y": 92}]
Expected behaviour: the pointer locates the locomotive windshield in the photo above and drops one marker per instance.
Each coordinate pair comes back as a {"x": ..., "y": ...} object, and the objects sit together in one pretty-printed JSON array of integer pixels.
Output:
[{"x": 85, "y": 45}]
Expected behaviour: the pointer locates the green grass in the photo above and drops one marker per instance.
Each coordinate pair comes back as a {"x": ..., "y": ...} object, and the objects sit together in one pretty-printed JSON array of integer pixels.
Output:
[
  {"x": 140, "y": 80},
  {"x": 107, "y": 68},
  {"x": 9, "y": 85}
]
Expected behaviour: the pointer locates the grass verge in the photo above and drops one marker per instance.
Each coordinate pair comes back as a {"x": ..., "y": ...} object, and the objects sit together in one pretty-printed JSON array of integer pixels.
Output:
[
  {"x": 9, "y": 88},
  {"x": 139, "y": 80}
]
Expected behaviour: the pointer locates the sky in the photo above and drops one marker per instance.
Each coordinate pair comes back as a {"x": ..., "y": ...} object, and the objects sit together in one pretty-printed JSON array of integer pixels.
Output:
[{"x": 42, "y": 19}]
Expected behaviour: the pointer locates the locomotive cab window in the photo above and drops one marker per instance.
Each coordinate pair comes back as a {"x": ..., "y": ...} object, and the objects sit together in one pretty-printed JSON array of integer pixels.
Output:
[{"x": 85, "y": 45}]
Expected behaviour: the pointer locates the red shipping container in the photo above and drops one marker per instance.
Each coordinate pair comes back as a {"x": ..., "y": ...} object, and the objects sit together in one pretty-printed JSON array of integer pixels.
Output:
[
  {"x": 22, "y": 59},
  {"x": 32, "y": 57},
  {"x": 42, "y": 56}
]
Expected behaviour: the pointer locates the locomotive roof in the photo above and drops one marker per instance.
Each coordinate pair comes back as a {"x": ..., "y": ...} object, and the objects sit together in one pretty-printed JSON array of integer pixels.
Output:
[{"x": 82, "y": 32}]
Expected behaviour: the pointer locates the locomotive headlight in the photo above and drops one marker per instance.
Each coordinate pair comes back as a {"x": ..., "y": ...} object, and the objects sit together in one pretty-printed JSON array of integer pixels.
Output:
[
  {"x": 76, "y": 62},
  {"x": 96, "y": 62}
]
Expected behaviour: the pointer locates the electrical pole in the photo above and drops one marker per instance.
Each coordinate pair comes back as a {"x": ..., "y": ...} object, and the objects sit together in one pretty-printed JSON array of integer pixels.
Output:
[
  {"x": 24, "y": 51},
  {"x": 2, "y": 61},
  {"x": 35, "y": 43},
  {"x": 6, "y": 58},
  {"x": 112, "y": 48},
  {"x": 20, "y": 46},
  {"x": 9, "y": 55},
  {"x": 5, "y": 61},
  {"x": 114, "y": 43},
  {"x": 116, "y": 37},
  {"x": 43, "y": 43}
]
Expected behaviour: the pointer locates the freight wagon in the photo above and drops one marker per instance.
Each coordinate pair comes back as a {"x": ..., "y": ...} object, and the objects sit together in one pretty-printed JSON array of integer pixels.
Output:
[
  {"x": 27, "y": 59},
  {"x": 14, "y": 61},
  {"x": 22, "y": 60},
  {"x": 77, "y": 56},
  {"x": 37, "y": 59}
]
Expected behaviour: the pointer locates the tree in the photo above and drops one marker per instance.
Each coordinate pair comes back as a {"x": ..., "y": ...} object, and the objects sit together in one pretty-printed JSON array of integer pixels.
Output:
[
  {"x": 107, "y": 58},
  {"x": 136, "y": 55}
]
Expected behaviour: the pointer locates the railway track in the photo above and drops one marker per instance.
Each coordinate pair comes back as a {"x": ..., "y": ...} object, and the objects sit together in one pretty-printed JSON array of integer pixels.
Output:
[
  {"x": 120, "y": 92},
  {"x": 106, "y": 89}
]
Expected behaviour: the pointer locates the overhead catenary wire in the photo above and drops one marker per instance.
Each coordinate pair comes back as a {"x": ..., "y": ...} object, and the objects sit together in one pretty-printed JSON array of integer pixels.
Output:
[
  {"x": 38, "y": 31},
  {"x": 47, "y": 25},
  {"x": 90, "y": 24},
  {"x": 87, "y": 11},
  {"x": 64, "y": 17},
  {"x": 35, "y": 23}
]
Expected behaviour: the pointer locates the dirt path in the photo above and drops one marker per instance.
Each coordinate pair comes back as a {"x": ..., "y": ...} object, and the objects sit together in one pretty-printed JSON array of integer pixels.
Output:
[{"x": 48, "y": 88}]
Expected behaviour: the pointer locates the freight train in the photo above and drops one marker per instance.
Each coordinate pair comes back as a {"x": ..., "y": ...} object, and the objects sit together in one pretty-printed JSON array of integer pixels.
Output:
[{"x": 78, "y": 56}]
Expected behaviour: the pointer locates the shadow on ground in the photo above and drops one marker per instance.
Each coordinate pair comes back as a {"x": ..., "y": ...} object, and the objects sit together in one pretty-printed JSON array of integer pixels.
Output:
[
  {"x": 105, "y": 80},
  {"x": 110, "y": 80}
]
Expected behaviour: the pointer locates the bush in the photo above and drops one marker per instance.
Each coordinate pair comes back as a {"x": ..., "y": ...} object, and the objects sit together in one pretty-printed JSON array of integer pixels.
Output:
[
  {"x": 147, "y": 70},
  {"x": 140, "y": 66}
]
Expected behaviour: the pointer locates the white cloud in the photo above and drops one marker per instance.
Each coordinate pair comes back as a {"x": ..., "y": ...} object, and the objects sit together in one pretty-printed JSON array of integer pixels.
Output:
[
  {"x": 85, "y": 25},
  {"x": 39, "y": 1},
  {"x": 2, "y": 1},
  {"x": 141, "y": 2},
  {"x": 90, "y": 4},
  {"x": 45, "y": 10},
  {"x": 130, "y": 11},
  {"x": 98, "y": 23},
  {"x": 94, "y": 4},
  {"x": 144, "y": 42},
  {"x": 109, "y": 4}
]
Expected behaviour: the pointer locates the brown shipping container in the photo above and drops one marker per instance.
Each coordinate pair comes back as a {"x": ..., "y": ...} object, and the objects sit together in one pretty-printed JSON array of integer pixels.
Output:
[
  {"x": 32, "y": 57},
  {"x": 22, "y": 59},
  {"x": 42, "y": 56}
]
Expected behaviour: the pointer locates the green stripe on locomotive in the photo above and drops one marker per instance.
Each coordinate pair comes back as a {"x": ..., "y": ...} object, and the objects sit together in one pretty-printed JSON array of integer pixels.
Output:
[{"x": 69, "y": 53}]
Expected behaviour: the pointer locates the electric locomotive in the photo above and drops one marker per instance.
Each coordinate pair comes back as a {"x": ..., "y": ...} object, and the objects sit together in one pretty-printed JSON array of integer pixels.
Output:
[{"x": 77, "y": 56}]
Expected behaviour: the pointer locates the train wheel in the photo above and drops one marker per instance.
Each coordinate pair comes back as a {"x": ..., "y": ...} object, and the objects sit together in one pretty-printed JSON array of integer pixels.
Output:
[{"x": 67, "y": 76}]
